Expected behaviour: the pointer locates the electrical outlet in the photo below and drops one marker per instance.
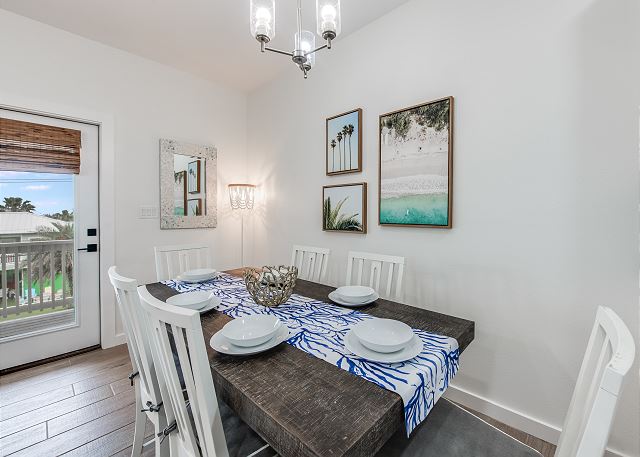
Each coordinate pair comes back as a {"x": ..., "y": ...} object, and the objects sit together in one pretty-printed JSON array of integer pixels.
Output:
[{"x": 148, "y": 212}]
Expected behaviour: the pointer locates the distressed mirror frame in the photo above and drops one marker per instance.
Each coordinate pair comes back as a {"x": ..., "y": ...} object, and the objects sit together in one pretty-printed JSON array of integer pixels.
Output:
[{"x": 168, "y": 220}]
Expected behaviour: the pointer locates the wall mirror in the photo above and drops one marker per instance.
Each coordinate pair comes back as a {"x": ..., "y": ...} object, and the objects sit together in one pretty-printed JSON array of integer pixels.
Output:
[{"x": 188, "y": 185}]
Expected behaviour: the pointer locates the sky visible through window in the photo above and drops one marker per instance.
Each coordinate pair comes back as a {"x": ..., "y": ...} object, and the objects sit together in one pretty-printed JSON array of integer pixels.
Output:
[{"x": 49, "y": 192}]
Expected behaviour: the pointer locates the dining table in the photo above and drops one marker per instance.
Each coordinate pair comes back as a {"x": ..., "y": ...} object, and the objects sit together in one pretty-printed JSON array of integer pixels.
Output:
[{"x": 305, "y": 407}]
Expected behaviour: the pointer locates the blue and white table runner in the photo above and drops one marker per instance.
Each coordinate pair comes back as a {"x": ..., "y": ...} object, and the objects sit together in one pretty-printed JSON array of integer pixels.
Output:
[{"x": 319, "y": 328}]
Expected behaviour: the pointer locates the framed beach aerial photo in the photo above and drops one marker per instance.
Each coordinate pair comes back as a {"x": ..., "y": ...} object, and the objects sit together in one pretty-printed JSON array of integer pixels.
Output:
[
  {"x": 344, "y": 208},
  {"x": 416, "y": 148},
  {"x": 344, "y": 143}
]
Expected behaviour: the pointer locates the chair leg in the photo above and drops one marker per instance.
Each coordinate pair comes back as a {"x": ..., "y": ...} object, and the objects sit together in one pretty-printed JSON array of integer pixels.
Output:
[
  {"x": 140, "y": 424},
  {"x": 162, "y": 449}
]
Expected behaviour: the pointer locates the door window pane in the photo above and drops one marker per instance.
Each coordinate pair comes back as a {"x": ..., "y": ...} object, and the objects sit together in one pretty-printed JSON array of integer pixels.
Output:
[{"x": 36, "y": 252}]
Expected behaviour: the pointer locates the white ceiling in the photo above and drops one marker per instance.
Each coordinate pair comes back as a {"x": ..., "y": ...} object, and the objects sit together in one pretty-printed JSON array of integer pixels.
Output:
[{"x": 208, "y": 38}]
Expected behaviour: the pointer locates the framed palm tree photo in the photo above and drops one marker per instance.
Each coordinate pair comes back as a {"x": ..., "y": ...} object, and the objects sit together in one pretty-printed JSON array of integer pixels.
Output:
[
  {"x": 180, "y": 193},
  {"x": 344, "y": 208},
  {"x": 194, "y": 177},
  {"x": 344, "y": 143}
]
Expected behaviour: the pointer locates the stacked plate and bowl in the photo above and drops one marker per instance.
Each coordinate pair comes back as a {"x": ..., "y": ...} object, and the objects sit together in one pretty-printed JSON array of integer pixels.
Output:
[
  {"x": 201, "y": 300},
  {"x": 250, "y": 335},
  {"x": 383, "y": 340},
  {"x": 353, "y": 296},
  {"x": 199, "y": 275}
]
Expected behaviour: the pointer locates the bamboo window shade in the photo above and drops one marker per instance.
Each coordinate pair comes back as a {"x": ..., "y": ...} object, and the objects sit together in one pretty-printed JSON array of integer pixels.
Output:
[{"x": 25, "y": 146}]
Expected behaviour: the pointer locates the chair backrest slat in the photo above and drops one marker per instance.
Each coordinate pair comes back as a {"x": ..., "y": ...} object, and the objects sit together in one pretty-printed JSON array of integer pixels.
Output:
[
  {"x": 190, "y": 359},
  {"x": 374, "y": 278},
  {"x": 172, "y": 261},
  {"x": 377, "y": 264},
  {"x": 136, "y": 330},
  {"x": 608, "y": 358},
  {"x": 311, "y": 262},
  {"x": 360, "y": 270},
  {"x": 390, "y": 279}
]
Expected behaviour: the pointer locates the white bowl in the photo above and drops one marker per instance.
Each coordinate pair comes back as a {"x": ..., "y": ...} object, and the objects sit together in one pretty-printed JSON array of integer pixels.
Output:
[
  {"x": 335, "y": 298},
  {"x": 252, "y": 330},
  {"x": 201, "y": 274},
  {"x": 222, "y": 344},
  {"x": 192, "y": 300},
  {"x": 353, "y": 344},
  {"x": 355, "y": 294},
  {"x": 383, "y": 335}
]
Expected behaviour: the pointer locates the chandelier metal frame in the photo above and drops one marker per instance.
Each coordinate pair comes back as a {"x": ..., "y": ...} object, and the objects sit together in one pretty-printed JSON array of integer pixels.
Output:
[{"x": 301, "y": 57}]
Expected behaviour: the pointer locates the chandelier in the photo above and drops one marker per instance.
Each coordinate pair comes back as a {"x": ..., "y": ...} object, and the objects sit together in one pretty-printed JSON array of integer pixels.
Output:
[{"x": 263, "y": 29}]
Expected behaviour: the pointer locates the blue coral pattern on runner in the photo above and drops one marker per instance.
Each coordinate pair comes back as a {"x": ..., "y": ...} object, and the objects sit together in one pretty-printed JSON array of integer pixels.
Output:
[{"x": 319, "y": 328}]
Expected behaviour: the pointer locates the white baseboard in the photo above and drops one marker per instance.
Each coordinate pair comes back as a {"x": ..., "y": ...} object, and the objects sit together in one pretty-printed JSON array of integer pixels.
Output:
[
  {"x": 511, "y": 417},
  {"x": 115, "y": 340}
]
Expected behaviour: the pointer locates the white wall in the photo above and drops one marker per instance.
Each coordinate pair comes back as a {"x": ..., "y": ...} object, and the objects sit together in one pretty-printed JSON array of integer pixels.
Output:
[
  {"x": 148, "y": 101},
  {"x": 545, "y": 179}
]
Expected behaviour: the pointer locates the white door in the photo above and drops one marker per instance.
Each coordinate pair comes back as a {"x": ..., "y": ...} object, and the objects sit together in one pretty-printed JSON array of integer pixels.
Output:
[{"x": 49, "y": 280}]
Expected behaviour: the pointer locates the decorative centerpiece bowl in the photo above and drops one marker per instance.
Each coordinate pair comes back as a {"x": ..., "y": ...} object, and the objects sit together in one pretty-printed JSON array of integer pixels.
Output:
[{"x": 270, "y": 286}]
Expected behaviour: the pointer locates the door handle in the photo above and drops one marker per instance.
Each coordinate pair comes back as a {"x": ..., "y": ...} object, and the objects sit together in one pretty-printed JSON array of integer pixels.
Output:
[{"x": 90, "y": 248}]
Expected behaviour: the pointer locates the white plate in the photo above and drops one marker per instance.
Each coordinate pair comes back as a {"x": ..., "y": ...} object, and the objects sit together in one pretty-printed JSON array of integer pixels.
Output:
[
  {"x": 198, "y": 274},
  {"x": 353, "y": 301},
  {"x": 191, "y": 300},
  {"x": 383, "y": 335},
  {"x": 222, "y": 344},
  {"x": 215, "y": 301},
  {"x": 334, "y": 297},
  {"x": 355, "y": 294},
  {"x": 251, "y": 330},
  {"x": 354, "y": 345},
  {"x": 196, "y": 279}
]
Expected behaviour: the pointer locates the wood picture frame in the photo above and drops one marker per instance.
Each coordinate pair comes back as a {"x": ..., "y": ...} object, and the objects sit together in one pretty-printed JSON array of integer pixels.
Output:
[
  {"x": 194, "y": 177},
  {"x": 354, "y": 217},
  {"x": 414, "y": 196},
  {"x": 194, "y": 207},
  {"x": 336, "y": 127}
]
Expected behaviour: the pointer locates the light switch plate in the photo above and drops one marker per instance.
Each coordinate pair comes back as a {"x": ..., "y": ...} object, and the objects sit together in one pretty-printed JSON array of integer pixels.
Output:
[{"x": 149, "y": 212}]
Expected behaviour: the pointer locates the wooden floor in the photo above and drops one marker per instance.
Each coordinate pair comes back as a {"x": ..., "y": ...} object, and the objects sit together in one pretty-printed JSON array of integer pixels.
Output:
[
  {"x": 84, "y": 406},
  {"x": 77, "y": 406},
  {"x": 545, "y": 448}
]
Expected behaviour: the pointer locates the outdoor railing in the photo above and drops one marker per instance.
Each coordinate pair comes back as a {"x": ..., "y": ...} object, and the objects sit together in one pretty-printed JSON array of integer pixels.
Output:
[{"x": 37, "y": 277}]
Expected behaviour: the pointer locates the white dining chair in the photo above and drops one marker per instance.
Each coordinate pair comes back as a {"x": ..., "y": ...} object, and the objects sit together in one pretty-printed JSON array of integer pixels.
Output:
[
  {"x": 148, "y": 389},
  {"x": 172, "y": 261},
  {"x": 196, "y": 426},
  {"x": 608, "y": 358},
  {"x": 393, "y": 265},
  {"x": 311, "y": 262},
  {"x": 451, "y": 431}
]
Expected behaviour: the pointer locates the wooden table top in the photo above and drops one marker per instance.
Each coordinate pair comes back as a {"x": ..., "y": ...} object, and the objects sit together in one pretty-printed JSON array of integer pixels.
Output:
[{"x": 304, "y": 406}]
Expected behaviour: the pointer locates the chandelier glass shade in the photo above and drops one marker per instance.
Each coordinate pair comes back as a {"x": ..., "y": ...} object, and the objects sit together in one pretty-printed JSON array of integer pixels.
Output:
[
  {"x": 328, "y": 16},
  {"x": 263, "y": 19},
  {"x": 307, "y": 42},
  {"x": 263, "y": 28}
]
